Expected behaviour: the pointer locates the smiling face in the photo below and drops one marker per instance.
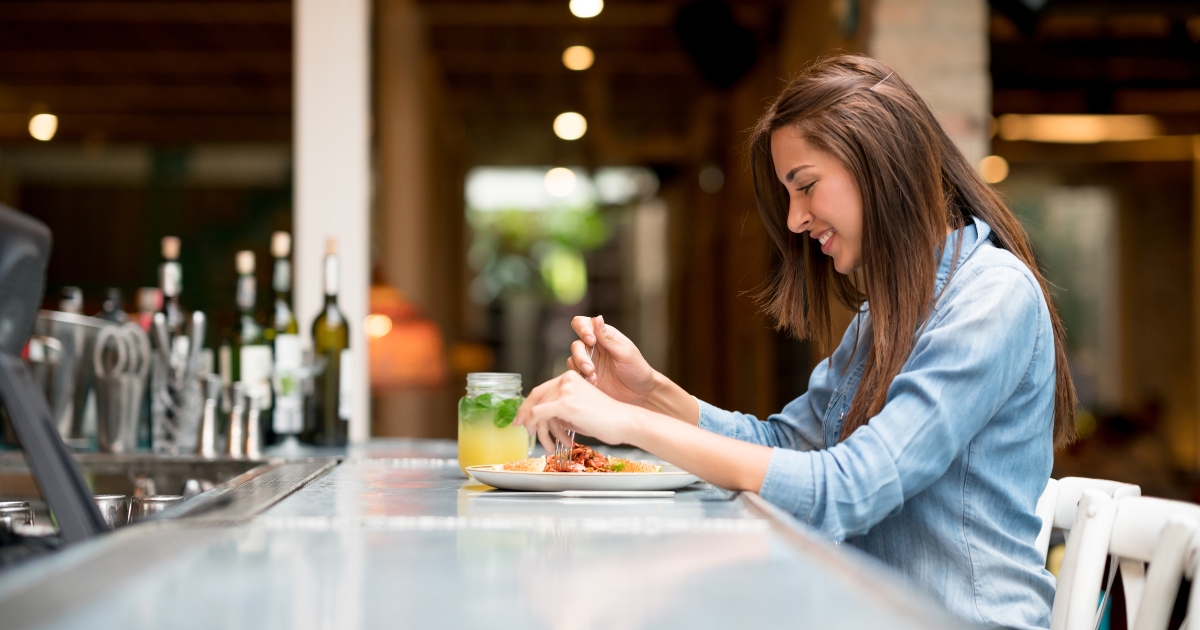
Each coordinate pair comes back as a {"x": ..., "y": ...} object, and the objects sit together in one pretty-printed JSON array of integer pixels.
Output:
[{"x": 823, "y": 198}]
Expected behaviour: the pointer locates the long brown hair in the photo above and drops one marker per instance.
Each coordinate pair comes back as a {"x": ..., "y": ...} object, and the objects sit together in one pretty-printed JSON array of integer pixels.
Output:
[{"x": 914, "y": 184}]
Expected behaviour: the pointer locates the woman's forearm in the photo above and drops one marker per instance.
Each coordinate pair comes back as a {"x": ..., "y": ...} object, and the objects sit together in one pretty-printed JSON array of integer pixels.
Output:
[
  {"x": 719, "y": 460},
  {"x": 671, "y": 400}
]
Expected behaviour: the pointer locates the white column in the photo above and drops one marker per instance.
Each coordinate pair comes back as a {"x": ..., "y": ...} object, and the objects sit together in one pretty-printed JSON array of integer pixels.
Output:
[
  {"x": 332, "y": 169},
  {"x": 941, "y": 48}
]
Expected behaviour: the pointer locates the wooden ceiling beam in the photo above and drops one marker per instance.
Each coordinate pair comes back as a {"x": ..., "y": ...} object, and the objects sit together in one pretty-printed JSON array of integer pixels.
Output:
[
  {"x": 120, "y": 63},
  {"x": 559, "y": 16},
  {"x": 156, "y": 128},
  {"x": 550, "y": 62},
  {"x": 215, "y": 13},
  {"x": 133, "y": 99}
]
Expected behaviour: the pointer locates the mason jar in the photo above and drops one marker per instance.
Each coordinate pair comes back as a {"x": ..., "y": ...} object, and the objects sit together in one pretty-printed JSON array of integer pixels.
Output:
[{"x": 486, "y": 434}]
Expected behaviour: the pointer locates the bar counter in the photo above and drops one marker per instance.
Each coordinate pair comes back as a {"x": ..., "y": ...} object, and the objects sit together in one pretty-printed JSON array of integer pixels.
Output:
[{"x": 391, "y": 534}]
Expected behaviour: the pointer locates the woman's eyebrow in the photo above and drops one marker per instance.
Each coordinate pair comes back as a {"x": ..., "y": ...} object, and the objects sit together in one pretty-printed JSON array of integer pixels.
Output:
[{"x": 792, "y": 173}]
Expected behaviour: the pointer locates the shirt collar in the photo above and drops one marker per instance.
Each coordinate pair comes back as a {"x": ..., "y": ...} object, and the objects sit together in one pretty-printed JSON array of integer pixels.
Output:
[{"x": 974, "y": 234}]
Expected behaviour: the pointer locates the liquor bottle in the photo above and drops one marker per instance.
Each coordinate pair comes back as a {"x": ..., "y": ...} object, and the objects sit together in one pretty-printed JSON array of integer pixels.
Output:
[
  {"x": 71, "y": 300},
  {"x": 170, "y": 281},
  {"x": 111, "y": 308},
  {"x": 284, "y": 322},
  {"x": 149, "y": 301},
  {"x": 288, "y": 414},
  {"x": 250, "y": 352},
  {"x": 329, "y": 412}
]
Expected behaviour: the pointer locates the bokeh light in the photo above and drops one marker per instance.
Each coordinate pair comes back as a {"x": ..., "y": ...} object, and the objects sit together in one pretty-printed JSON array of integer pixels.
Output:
[
  {"x": 43, "y": 126},
  {"x": 993, "y": 168},
  {"x": 560, "y": 181},
  {"x": 377, "y": 325},
  {"x": 586, "y": 8},
  {"x": 570, "y": 125},
  {"x": 578, "y": 58}
]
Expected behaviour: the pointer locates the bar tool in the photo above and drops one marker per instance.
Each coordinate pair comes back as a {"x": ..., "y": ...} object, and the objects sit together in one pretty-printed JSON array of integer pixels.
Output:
[
  {"x": 142, "y": 508},
  {"x": 208, "y": 422},
  {"x": 12, "y": 516},
  {"x": 235, "y": 443},
  {"x": 253, "y": 429},
  {"x": 177, "y": 403},
  {"x": 121, "y": 360},
  {"x": 114, "y": 508}
]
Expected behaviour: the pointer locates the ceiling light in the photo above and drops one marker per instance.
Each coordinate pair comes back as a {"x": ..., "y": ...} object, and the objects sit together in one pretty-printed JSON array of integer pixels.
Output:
[
  {"x": 43, "y": 126},
  {"x": 993, "y": 168},
  {"x": 1077, "y": 128},
  {"x": 377, "y": 325},
  {"x": 560, "y": 181},
  {"x": 570, "y": 126},
  {"x": 578, "y": 58},
  {"x": 586, "y": 8}
]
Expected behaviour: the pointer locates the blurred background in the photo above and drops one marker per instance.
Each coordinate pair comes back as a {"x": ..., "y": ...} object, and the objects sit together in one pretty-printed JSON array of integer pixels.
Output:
[{"x": 531, "y": 160}]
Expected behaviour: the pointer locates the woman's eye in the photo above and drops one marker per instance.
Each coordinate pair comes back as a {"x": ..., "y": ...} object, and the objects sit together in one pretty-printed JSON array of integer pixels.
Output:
[{"x": 807, "y": 189}]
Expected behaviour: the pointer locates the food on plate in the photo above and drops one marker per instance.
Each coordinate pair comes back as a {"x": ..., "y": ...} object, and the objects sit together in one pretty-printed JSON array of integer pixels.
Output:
[
  {"x": 533, "y": 464},
  {"x": 585, "y": 459}
]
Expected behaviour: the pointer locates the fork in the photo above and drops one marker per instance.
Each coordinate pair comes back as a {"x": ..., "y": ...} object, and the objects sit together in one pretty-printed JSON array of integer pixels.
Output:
[{"x": 562, "y": 451}]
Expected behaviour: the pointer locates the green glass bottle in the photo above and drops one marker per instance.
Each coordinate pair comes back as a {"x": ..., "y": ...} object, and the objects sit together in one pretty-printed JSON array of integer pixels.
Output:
[
  {"x": 329, "y": 409},
  {"x": 288, "y": 412},
  {"x": 284, "y": 320},
  {"x": 170, "y": 281},
  {"x": 251, "y": 352}
]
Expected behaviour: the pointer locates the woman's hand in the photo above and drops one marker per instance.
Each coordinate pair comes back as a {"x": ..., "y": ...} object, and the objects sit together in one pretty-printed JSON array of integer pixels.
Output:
[
  {"x": 616, "y": 367},
  {"x": 569, "y": 402}
]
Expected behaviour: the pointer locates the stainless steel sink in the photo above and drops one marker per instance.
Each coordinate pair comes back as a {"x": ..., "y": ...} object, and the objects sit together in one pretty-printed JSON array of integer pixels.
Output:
[
  {"x": 234, "y": 489},
  {"x": 112, "y": 473}
]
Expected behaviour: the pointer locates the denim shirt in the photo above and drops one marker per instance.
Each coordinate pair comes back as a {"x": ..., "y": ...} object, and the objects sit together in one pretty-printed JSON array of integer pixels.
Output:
[{"x": 943, "y": 482}]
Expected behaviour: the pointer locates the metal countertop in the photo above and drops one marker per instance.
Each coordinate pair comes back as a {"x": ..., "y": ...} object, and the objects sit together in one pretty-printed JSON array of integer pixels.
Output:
[{"x": 396, "y": 536}]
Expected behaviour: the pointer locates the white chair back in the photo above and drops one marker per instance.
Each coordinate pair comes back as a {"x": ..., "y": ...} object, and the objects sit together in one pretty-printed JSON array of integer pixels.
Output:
[
  {"x": 1058, "y": 507},
  {"x": 1136, "y": 530}
]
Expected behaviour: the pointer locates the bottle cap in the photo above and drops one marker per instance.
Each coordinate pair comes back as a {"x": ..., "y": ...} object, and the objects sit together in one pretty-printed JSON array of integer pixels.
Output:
[
  {"x": 245, "y": 262},
  {"x": 331, "y": 246},
  {"x": 281, "y": 244},
  {"x": 170, "y": 247}
]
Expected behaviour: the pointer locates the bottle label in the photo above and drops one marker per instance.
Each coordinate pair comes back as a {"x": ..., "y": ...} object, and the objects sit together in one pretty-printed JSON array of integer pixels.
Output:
[
  {"x": 289, "y": 397},
  {"x": 281, "y": 280},
  {"x": 246, "y": 293},
  {"x": 256, "y": 373},
  {"x": 345, "y": 367},
  {"x": 170, "y": 277}
]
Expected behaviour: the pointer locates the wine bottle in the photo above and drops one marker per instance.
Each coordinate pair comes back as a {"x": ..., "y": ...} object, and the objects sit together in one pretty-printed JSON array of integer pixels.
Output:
[
  {"x": 330, "y": 406},
  {"x": 250, "y": 352},
  {"x": 170, "y": 281},
  {"x": 284, "y": 321},
  {"x": 288, "y": 413}
]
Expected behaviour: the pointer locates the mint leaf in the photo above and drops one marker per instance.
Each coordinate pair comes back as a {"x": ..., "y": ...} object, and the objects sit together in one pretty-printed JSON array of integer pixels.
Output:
[
  {"x": 466, "y": 406},
  {"x": 485, "y": 401},
  {"x": 507, "y": 412}
]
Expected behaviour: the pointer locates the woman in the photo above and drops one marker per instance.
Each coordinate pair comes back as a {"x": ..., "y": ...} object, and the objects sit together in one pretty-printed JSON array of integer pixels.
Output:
[{"x": 928, "y": 435}]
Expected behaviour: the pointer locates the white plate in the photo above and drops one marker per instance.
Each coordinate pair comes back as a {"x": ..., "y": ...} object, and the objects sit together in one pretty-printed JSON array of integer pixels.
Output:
[{"x": 669, "y": 478}]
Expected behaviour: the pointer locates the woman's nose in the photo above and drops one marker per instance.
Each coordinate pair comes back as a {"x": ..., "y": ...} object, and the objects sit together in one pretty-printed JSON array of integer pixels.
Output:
[{"x": 799, "y": 218}]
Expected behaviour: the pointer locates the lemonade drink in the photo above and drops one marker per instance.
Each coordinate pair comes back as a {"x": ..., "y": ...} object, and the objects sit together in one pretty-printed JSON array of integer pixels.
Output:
[{"x": 486, "y": 434}]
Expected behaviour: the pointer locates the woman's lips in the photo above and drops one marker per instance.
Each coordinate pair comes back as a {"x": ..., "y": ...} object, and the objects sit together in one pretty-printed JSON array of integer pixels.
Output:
[{"x": 827, "y": 241}]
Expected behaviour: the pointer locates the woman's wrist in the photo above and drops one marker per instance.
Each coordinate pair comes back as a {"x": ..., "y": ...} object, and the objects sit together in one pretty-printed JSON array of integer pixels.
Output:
[{"x": 669, "y": 399}]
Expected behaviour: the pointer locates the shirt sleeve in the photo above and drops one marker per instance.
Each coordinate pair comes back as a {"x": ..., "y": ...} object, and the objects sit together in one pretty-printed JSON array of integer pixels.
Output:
[
  {"x": 799, "y": 426},
  {"x": 961, "y": 371}
]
